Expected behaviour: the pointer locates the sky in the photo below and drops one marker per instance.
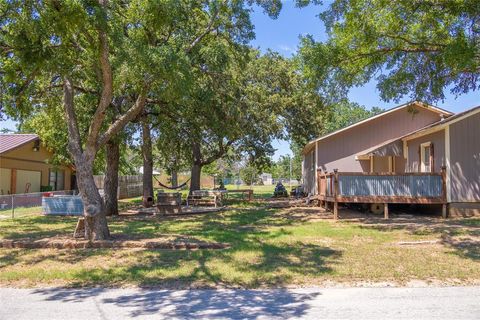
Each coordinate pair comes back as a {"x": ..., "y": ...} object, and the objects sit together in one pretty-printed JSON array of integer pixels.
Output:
[{"x": 282, "y": 35}]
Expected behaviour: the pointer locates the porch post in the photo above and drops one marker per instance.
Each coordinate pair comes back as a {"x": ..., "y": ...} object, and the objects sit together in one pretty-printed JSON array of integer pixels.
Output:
[
  {"x": 325, "y": 202},
  {"x": 335, "y": 193},
  {"x": 444, "y": 193}
]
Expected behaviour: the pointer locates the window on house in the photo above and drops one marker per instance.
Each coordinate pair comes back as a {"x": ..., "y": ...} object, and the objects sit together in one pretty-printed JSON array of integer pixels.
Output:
[
  {"x": 425, "y": 155},
  {"x": 57, "y": 179}
]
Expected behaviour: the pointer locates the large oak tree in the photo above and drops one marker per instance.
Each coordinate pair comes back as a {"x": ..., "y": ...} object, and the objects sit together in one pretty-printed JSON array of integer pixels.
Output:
[
  {"x": 415, "y": 48},
  {"x": 82, "y": 54}
]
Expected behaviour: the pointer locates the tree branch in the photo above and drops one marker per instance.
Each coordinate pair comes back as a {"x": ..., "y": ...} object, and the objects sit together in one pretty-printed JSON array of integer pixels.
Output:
[
  {"x": 222, "y": 149},
  {"x": 204, "y": 33},
  {"x": 107, "y": 91},
  {"x": 74, "y": 141},
  {"x": 131, "y": 113}
]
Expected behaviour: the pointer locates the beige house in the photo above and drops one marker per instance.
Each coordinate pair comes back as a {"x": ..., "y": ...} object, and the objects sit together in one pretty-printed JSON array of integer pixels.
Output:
[
  {"x": 25, "y": 167},
  {"x": 414, "y": 153},
  {"x": 370, "y": 145}
]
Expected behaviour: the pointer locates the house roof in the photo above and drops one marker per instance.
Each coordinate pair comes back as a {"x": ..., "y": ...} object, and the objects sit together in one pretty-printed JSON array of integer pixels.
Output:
[
  {"x": 417, "y": 103},
  {"x": 371, "y": 151},
  {"x": 13, "y": 141},
  {"x": 442, "y": 123}
]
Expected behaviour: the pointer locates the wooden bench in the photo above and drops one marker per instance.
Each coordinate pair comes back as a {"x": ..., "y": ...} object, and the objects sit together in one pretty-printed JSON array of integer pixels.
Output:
[
  {"x": 247, "y": 192},
  {"x": 169, "y": 203}
]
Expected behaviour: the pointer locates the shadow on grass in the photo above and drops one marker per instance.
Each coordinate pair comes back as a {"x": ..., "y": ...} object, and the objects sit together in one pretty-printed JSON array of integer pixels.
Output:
[
  {"x": 35, "y": 227},
  {"x": 462, "y": 235},
  {"x": 192, "y": 304},
  {"x": 259, "y": 255}
]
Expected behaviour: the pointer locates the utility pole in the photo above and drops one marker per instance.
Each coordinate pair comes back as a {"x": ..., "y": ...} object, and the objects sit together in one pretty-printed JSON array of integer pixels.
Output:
[{"x": 290, "y": 177}]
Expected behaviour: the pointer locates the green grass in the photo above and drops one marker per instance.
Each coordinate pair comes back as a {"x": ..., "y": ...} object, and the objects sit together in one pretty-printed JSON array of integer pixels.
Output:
[
  {"x": 20, "y": 212},
  {"x": 259, "y": 192},
  {"x": 268, "y": 248}
]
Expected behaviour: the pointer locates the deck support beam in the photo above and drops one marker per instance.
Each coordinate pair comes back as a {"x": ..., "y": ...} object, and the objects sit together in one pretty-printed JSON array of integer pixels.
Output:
[
  {"x": 444, "y": 211},
  {"x": 385, "y": 210},
  {"x": 335, "y": 210}
]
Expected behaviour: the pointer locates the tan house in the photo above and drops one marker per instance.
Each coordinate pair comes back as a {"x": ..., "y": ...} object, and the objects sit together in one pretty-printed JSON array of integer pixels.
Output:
[
  {"x": 414, "y": 153},
  {"x": 25, "y": 167}
]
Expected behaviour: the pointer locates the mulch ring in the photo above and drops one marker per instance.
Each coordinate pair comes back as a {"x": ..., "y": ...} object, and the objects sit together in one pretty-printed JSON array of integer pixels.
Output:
[{"x": 118, "y": 242}]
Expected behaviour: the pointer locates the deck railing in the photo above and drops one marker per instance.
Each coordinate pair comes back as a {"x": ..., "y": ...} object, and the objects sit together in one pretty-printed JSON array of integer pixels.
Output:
[{"x": 424, "y": 188}]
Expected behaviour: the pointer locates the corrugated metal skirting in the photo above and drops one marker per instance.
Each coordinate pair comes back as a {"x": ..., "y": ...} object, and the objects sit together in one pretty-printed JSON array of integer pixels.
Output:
[
  {"x": 401, "y": 185},
  {"x": 62, "y": 205}
]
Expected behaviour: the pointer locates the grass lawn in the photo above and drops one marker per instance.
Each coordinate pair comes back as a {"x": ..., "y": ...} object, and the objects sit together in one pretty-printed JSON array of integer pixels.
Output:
[{"x": 269, "y": 247}]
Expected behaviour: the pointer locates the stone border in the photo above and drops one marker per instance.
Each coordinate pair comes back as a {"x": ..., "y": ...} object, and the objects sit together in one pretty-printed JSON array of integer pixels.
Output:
[{"x": 108, "y": 244}]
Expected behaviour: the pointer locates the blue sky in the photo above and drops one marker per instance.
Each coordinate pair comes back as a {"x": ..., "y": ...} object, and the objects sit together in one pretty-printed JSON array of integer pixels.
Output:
[{"x": 282, "y": 35}]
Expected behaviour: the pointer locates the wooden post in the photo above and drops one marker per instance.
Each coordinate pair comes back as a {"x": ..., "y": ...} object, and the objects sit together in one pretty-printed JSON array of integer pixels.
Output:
[
  {"x": 335, "y": 193},
  {"x": 385, "y": 210},
  {"x": 444, "y": 193},
  {"x": 13, "y": 181}
]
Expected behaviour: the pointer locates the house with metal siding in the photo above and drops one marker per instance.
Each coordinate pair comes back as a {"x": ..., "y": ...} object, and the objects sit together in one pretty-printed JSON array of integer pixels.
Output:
[
  {"x": 430, "y": 159},
  {"x": 350, "y": 149},
  {"x": 453, "y": 143}
]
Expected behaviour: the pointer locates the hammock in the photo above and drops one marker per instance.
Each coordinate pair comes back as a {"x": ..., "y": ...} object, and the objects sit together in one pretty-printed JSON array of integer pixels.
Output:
[{"x": 172, "y": 188}]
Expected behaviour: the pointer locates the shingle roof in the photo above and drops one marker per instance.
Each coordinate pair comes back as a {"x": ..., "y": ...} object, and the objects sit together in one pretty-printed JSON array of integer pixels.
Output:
[{"x": 12, "y": 141}]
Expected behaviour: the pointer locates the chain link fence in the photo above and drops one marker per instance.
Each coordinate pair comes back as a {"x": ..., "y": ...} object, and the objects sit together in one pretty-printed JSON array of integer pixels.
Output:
[{"x": 16, "y": 205}]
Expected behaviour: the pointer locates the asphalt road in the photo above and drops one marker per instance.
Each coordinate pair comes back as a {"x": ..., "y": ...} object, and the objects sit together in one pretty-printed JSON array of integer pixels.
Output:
[{"x": 310, "y": 303}]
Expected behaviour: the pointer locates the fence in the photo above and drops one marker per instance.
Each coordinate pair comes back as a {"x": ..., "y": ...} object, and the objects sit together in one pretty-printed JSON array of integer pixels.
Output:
[
  {"x": 14, "y": 204},
  {"x": 128, "y": 186}
]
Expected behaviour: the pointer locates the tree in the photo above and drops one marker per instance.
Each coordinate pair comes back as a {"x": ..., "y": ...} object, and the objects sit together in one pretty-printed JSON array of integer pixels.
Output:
[
  {"x": 83, "y": 54},
  {"x": 236, "y": 108},
  {"x": 249, "y": 174},
  {"x": 344, "y": 113},
  {"x": 415, "y": 48}
]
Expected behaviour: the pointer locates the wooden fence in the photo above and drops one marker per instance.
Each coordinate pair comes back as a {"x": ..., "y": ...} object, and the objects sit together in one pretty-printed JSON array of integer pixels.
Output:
[{"x": 128, "y": 186}]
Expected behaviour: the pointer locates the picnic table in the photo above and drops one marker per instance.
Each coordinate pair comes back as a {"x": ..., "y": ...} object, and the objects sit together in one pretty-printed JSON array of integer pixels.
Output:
[{"x": 206, "y": 197}]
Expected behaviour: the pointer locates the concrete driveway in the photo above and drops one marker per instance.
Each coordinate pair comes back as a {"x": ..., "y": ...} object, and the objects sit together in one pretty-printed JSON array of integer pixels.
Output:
[{"x": 308, "y": 303}]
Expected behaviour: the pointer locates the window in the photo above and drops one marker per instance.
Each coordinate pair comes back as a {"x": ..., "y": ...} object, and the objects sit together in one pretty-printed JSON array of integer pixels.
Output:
[
  {"x": 57, "y": 180},
  {"x": 425, "y": 157}
]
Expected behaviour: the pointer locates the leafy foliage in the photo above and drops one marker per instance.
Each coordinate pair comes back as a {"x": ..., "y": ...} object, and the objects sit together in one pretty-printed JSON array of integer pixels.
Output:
[{"x": 411, "y": 48}]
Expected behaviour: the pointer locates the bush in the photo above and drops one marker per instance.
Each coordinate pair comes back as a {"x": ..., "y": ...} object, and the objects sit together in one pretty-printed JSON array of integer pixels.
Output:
[{"x": 46, "y": 188}]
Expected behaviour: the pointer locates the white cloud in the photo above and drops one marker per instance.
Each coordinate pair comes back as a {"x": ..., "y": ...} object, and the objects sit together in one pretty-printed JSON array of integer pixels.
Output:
[{"x": 287, "y": 48}]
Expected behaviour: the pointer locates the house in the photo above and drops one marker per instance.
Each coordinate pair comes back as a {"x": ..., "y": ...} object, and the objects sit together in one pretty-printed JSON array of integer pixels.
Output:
[
  {"x": 266, "y": 179},
  {"x": 414, "y": 153},
  {"x": 25, "y": 166}
]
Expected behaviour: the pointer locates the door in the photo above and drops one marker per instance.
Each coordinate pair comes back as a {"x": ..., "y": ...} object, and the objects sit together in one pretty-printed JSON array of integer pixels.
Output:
[
  {"x": 426, "y": 157},
  {"x": 5, "y": 180},
  {"x": 28, "y": 181}
]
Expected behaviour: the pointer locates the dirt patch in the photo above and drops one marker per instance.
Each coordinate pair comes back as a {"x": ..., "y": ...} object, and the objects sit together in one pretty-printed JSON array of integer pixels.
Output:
[
  {"x": 288, "y": 203},
  {"x": 118, "y": 242}
]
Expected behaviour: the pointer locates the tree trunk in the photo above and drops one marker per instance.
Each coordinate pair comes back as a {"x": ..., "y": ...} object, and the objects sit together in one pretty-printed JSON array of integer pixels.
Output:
[
  {"x": 174, "y": 178},
  {"x": 196, "y": 175},
  {"x": 196, "y": 172},
  {"x": 147, "y": 164},
  {"x": 111, "y": 177},
  {"x": 96, "y": 227}
]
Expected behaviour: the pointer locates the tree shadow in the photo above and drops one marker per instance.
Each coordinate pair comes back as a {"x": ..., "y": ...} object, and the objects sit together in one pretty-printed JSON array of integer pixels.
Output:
[
  {"x": 275, "y": 260},
  {"x": 192, "y": 304},
  {"x": 38, "y": 227},
  {"x": 462, "y": 235}
]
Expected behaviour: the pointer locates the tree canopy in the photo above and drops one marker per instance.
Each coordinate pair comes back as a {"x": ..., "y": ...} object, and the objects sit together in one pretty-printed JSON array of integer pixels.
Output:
[
  {"x": 91, "y": 57},
  {"x": 410, "y": 48}
]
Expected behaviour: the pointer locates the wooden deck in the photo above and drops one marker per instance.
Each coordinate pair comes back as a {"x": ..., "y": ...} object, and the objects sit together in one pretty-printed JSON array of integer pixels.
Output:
[{"x": 383, "y": 188}]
